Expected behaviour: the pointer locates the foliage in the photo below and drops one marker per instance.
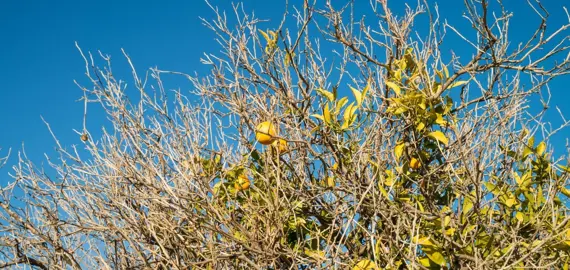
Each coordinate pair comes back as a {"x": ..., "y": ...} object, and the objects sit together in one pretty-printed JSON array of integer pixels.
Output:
[{"x": 401, "y": 160}]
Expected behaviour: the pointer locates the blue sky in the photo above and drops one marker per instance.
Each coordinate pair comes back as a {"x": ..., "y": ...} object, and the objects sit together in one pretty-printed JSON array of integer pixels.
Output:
[{"x": 39, "y": 61}]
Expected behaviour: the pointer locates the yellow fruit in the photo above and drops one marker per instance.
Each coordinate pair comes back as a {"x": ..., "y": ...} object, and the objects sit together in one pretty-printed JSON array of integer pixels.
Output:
[
  {"x": 242, "y": 183},
  {"x": 281, "y": 145},
  {"x": 265, "y": 133},
  {"x": 415, "y": 163}
]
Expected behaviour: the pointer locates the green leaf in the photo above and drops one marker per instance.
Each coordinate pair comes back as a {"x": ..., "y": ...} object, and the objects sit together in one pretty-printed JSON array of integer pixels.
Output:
[
  {"x": 394, "y": 87},
  {"x": 326, "y": 94},
  {"x": 399, "y": 150},
  {"x": 438, "y": 135},
  {"x": 357, "y": 95}
]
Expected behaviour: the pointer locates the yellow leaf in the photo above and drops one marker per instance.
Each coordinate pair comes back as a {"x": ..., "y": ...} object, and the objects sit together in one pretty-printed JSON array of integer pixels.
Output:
[
  {"x": 541, "y": 148},
  {"x": 330, "y": 182},
  {"x": 315, "y": 254},
  {"x": 318, "y": 116},
  {"x": 467, "y": 205},
  {"x": 438, "y": 135},
  {"x": 425, "y": 262},
  {"x": 517, "y": 178},
  {"x": 450, "y": 231},
  {"x": 457, "y": 83},
  {"x": 357, "y": 95},
  {"x": 327, "y": 114},
  {"x": 520, "y": 216},
  {"x": 439, "y": 120},
  {"x": 264, "y": 35},
  {"x": 420, "y": 126},
  {"x": 510, "y": 202},
  {"x": 434, "y": 255},
  {"x": 394, "y": 87},
  {"x": 445, "y": 71},
  {"x": 327, "y": 94},
  {"x": 365, "y": 265},
  {"x": 399, "y": 150},
  {"x": 349, "y": 115},
  {"x": 423, "y": 241},
  {"x": 366, "y": 88},
  {"x": 340, "y": 104}
]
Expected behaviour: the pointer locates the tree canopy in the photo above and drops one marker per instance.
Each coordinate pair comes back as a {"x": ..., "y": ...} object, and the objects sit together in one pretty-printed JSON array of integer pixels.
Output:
[{"x": 323, "y": 139}]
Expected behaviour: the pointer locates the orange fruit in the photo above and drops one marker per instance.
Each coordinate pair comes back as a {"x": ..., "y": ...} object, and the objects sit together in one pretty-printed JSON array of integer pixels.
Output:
[
  {"x": 242, "y": 183},
  {"x": 415, "y": 163},
  {"x": 265, "y": 133}
]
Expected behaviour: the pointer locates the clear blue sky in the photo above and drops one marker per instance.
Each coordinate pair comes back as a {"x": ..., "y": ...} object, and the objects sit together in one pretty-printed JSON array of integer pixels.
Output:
[{"x": 39, "y": 61}]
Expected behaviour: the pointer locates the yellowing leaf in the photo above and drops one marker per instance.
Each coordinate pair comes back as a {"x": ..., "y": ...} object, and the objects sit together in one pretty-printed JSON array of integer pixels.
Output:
[
  {"x": 517, "y": 178},
  {"x": 457, "y": 83},
  {"x": 541, "y": 148},
  {"x": 315, "y": 254},
  {"x": 467, "y": 205},
  {"x": 426, "y": 262},
  {"x": 510, "y": 202},
  {"x": 434, "y": 255},
  {"x": 520, "y": 216},
  {"x": 265, "y": 35},
  {"x": 366, "y": 88},
  {"x": 340, "y": 104},
  {"x": 330, "y": 182},
  {"x": 325, "y": 93},
  {"x": 439, "y": 120},
  {"x": 399, "y": 150},
  {"x": 526, "y": 152},
  {"x": 349, "y": 115},
  {"x": 365, "y": 265},
  {"x": 420, "y": 126},
  {"x": 438, "y": 135},
  {"x": 327, "y": 114},
  {"x": 394, "y": 87},
  {"x": 423, "y": 241},
  {"x": 357, "y": 95},
  {"x": 318, "y": 116}
]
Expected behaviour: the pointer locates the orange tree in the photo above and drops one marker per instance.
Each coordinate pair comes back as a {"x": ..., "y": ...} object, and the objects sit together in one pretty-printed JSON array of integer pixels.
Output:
[{"x": 330, "y": 140}]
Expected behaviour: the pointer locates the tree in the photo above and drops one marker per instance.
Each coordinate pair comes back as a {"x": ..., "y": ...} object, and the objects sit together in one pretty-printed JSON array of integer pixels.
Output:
[{"x": 379, "y": 151}]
